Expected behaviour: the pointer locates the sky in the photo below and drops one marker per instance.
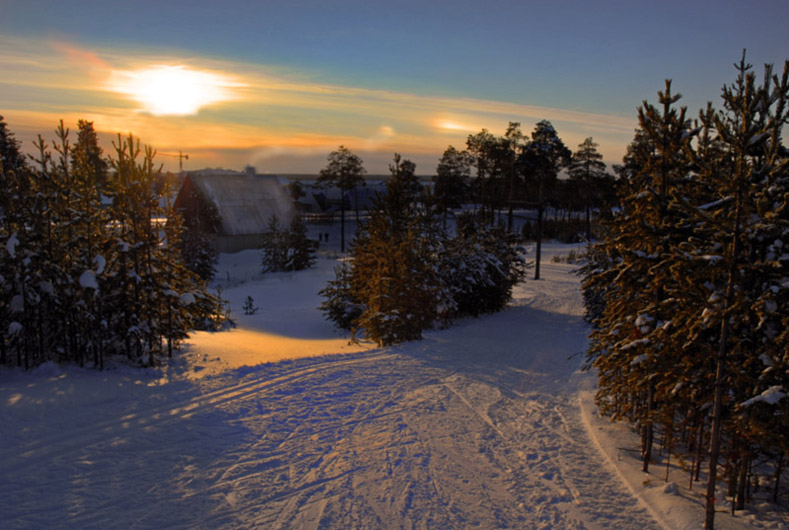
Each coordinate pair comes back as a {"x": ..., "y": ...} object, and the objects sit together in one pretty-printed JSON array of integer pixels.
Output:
[{"x": 278, "y": 85}]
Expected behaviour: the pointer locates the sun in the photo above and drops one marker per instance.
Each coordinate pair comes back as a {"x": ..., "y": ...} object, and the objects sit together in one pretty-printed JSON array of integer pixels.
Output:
[{"x": 173, "y": 90}]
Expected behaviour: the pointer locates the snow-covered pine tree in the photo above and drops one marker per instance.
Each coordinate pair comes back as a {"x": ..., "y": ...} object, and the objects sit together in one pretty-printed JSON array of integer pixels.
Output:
[
  {"x": 627, "y": 346},
  {"x": 690, "y": 283},
  {"x": 340, "y": 304},
  {"x": 200, "y": 220},
  {"x": 406, "y": 275},
  {"x": 740, "y": 232},
  {"x": 390, "y": 276},
  {"x": 14, "y": 199},
  {"x": 90, "y": 242},
  {"x": 480, "y": 265}
]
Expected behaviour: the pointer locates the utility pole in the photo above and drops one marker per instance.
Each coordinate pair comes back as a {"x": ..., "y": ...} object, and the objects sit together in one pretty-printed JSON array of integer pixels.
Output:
[{"x": 181, "y": 156}]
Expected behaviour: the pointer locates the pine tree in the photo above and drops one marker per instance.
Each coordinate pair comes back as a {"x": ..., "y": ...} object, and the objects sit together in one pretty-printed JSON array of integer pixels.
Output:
[
  {"x": 249, "y": 306},
  {"x": 407, "y": 275},
  {"x": 84, "y": 281},
  {"x": 14, "y": 195},
  {"x": 480, "y": 266},
  {"x": 346, "y": 171},
  {"x": 486, "y": 185},
  {"x": 541, "y": 160},
  {"x": 11, "y": 157},
  {"x": 301, "y": 249},
  {"x": 200, "y": 221},
  {"x": 498, "y": 171},
  {"x": 451, "y": 183},
  {"x": 341, "y": 305},
  {"x": 687, "y": 288},
  {"x": 89, "y": 170},
  {"x": 588, "y": 169},
  {"x": 287, "y": 249},
  {"x": 389, "y": 277},
  {"x": 744, "y": 229}
]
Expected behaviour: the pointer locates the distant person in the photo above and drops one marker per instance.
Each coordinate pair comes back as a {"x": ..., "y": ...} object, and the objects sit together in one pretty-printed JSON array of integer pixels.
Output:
[
  {"x": 320, "y": 237},
  {"x": 326, "y": 236}
]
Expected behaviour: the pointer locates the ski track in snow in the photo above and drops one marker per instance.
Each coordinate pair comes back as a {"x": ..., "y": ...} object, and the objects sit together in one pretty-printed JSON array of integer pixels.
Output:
[{"x": 477, "y": 426}]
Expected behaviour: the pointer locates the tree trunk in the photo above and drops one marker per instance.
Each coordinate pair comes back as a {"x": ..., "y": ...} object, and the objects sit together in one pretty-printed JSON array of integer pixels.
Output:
[
  {"x": 667, "y": 445},
  {"x": 648, "y": 430},
  {"x": 588, "y": 223},
  {"x": 699, "y": 448},
  {"x": 342, "y": 221},
  {"x": 720, "y": 368},
  {"x": 539, "y": 243},
  {"x": 356, "y": 204},
  {"x": 715, "y": 436},
  {"x": 511, "y": 199},
  {"x": 742, "y": 478}
]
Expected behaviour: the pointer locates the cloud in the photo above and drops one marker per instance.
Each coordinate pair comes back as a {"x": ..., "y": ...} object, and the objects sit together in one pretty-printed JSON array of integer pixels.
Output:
[
  {"x": 204, "y": 104},
  {"x": 380, "y": 138}
]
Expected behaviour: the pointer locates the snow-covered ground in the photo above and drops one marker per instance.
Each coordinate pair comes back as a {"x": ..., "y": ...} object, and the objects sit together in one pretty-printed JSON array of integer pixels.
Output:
[{"x": 280, "y": 423}]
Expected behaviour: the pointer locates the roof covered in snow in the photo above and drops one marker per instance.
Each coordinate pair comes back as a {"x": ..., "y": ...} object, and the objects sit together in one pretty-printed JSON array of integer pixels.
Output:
[{"x": 245, "y": 201}]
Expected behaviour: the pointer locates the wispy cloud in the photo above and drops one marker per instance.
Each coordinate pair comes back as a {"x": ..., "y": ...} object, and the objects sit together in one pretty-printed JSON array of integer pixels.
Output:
[{"x": 261, "y": 109}]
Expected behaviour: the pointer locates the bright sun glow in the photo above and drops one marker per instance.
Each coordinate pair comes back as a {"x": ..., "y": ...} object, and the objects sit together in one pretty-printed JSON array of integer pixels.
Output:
[{"x": 173, "y": 90}]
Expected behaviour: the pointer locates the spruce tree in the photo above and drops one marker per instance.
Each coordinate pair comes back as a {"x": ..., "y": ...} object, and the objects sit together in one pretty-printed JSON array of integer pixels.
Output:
[
  {"x": 89, "y": 169},
  {"x": 301, "y": 249},
  {"x": 287, "y": 249},
  {"x": 341, "y": 305},
  {"x": 273, "y": 247}
]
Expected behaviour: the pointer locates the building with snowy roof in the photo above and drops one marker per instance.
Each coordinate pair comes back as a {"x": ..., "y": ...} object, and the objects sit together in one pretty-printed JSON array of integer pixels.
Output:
[{"x": 245, "y": 202}]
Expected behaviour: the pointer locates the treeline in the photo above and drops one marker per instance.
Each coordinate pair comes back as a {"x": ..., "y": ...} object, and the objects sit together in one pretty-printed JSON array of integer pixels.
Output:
[
  {"x": 496, "y": 175},
  {"x": 520, "y": 171},
  {"x": 409, "y": 270},
  {"x": 408, "y": 273},
  {"x": 90, "y": 262},
  {"x": 687, "y": 292}
]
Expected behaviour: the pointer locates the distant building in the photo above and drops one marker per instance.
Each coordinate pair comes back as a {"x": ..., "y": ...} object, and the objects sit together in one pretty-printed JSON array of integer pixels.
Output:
[
  {"x": 244, "y": 201},
  {"x": 327, "y": 200}
]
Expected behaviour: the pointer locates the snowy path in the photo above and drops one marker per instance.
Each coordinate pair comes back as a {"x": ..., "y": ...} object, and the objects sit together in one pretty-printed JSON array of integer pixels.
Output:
[{"x": 477, "y": 426}]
